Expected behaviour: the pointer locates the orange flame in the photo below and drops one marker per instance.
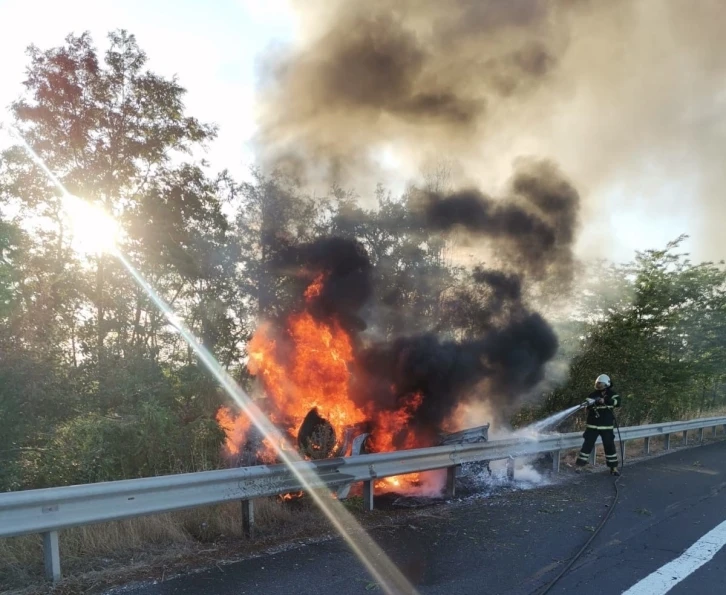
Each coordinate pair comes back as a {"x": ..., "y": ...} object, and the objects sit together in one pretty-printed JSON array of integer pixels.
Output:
[
  {"x": 308, "y": 366},
  {"x": 392, "y": 425},
  {"x": 315, "y": 288},
  {"x": 235, "y": 429},
  {"x": 316, "y": 375}
]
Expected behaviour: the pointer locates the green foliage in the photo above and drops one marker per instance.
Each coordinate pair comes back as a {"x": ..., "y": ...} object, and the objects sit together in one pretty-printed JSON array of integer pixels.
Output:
[
  {"x": 92, "y": 448},
  {"x": 657, "y": 326},
  {"x": 9, "y": 239},
  {"x": 84, "y": 352}
]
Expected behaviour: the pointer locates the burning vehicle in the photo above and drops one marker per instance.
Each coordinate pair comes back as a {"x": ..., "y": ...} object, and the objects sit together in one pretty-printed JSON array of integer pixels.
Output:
[
  {"x": 311, "y": 369},
  {"x": 336, "y": 392}
]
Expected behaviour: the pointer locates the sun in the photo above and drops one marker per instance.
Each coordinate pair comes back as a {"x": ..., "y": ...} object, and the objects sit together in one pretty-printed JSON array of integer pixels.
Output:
[{"x": 94, "y": 230}]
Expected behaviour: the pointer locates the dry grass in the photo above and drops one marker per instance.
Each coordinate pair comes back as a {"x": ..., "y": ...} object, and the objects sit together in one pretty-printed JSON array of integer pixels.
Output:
[
  {"x": 718, "y": 412},
  {"x": 125, "y": 547}
]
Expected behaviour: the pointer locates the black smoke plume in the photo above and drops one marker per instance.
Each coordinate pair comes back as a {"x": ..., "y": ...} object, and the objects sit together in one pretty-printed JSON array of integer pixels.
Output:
[
  {"x": 343, "y": 269},
  {"x": 506, "y": 360},
  {"x": 481, "y": 215},
  {"x": 535, "y": 224},
  {"x": 508, "y": 355},
  {"x": 481, "y": 81},
  {"x": 427, "y": 76},
  {"x": 541, "y": 184},
  {"x": 504, "y": 288}
]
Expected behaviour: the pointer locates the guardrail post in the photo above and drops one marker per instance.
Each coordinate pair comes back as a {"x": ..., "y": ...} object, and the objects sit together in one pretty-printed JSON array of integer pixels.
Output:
[
  {"x": 556, "y": 461},
  {"x": 510, "y": 468},
  {"x": 248, "y": 518},
  {"x": 685, "y": 437},
  {"x": 51, "y": 554},
  {"x": 368, "y": 495},
  {"x": 450, "y": 490},
  {"x": 667, "y": 441},
  {"x": 714, "y": 431},
  {"x": 700, "y": 435},
  {"x": 646, "y": 445},
  {"x": 593, "y": 454}
]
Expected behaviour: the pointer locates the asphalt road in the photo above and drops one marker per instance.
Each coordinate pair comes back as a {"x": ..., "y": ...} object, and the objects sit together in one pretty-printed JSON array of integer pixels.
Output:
[{"x": 515, "y": 544}]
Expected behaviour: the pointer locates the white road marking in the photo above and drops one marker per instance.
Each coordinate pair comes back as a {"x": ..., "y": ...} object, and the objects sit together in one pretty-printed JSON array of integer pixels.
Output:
[{"x": 668, "y": 576}]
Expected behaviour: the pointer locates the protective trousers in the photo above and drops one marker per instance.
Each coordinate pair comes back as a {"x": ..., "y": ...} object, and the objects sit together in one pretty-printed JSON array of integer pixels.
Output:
[{"x": 608, "y": 444}]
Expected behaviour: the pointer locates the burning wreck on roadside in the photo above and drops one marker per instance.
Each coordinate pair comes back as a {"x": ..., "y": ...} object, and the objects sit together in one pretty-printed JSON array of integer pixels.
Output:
[{"x": 335, "y": 389}]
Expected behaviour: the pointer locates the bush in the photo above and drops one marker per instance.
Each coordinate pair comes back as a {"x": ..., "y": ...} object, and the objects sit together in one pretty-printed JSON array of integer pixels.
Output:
[{"x": 92, "y": 448}]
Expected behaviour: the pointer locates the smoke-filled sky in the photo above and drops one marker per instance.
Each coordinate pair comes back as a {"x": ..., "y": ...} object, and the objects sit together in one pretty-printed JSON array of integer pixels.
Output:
[{"x": 627, "y": 97}]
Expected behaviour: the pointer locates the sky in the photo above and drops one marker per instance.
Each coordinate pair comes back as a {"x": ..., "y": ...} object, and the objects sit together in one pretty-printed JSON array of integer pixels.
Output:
[{"x": 215, "y": 48}]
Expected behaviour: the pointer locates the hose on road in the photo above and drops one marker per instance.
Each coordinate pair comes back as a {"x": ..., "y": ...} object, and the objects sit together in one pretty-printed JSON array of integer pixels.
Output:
[{"x": 577, "y": 556}]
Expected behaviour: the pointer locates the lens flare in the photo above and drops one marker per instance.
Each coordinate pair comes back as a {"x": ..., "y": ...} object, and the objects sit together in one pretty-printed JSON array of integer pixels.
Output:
[
  {"x": 375, "y": 560},
  {"x": 94, "y": 230}
]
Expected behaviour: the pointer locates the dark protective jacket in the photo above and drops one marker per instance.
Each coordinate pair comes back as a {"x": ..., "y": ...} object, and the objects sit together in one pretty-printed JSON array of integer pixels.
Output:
[{"x": 601, "y": 417}]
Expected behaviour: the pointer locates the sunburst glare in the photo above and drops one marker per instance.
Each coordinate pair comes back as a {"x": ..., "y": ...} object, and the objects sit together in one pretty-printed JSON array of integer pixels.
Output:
[{"x": 94, "y": 230}]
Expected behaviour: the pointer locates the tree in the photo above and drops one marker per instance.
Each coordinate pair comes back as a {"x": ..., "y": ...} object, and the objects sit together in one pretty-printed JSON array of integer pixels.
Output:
[
  {"x": 107, "y": 128},
  {"x": 87, "y": 340},
  {"x": 272, "y": 215},
  {"x": 657, "y": 327}
]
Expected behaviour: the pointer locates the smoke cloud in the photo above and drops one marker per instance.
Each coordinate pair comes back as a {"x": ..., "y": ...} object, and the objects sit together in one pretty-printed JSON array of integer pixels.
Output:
[
  {"x": 410, "y": 70},
  {"x": 621, "y": 95},
  {"x": 435, "y": 76},
  {"x": 627, "y": 96},
  {"x": 508, "y": 355},
  {"x": 533, "y": 228},
  {"x": 505, "y": 363}
]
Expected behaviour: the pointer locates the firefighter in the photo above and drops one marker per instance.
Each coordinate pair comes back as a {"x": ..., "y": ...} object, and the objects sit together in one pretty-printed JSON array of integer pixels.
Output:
[{"x": 600, "y": 422}]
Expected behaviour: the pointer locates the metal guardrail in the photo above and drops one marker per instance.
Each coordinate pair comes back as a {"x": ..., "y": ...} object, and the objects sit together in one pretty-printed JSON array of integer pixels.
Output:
[{"x": 50, "y": 510}]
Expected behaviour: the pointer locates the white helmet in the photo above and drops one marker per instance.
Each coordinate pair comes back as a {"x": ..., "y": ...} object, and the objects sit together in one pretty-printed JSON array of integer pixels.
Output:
[{"x": 602, "y": 379}]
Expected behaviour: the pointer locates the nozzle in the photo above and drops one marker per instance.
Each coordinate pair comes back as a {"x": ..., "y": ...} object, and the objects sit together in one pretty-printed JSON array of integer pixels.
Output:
[{"x": 588, "y": 403}]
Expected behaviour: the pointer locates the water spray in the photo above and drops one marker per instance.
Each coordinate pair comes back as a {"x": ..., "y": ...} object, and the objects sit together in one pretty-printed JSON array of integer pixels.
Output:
[
  {"x": 555, "y": 419},
  {"x": 378, "y": 564}
]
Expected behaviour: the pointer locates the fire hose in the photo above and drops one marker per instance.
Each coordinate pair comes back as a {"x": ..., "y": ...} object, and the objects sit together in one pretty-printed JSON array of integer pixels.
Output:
[{"x": 604, "y": 520}]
